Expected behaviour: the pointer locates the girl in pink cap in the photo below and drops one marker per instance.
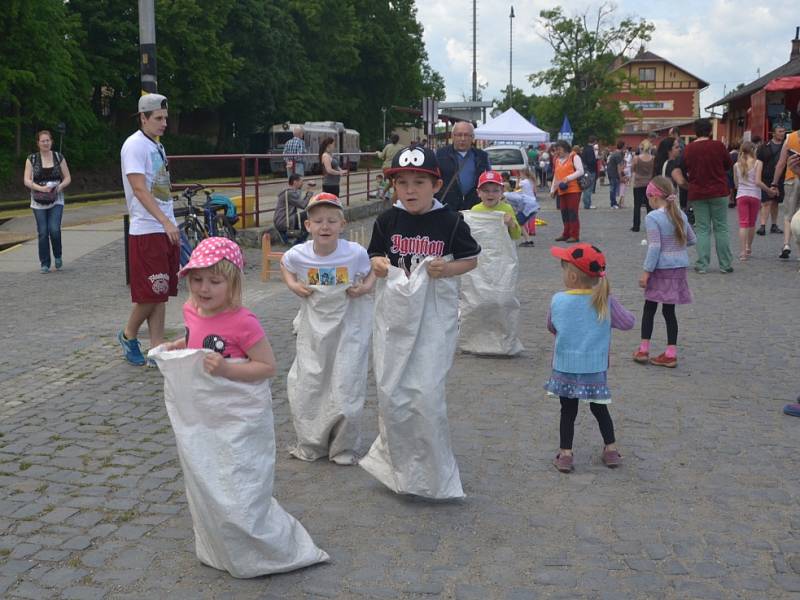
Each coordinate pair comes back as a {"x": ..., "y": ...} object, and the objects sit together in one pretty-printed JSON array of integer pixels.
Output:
[{"x": 215, "y": 318}]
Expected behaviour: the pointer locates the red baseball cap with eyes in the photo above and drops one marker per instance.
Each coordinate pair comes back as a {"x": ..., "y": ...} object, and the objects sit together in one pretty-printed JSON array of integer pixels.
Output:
[
  {"x": 490, "y": 177},
  {"x": 587, "y": 258}
]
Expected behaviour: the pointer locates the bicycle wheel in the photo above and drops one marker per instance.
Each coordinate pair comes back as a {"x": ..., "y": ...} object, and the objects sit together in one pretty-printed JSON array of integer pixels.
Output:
[
  {"x": 195, "y": 233},
  {"x": 223, "y": 227}
]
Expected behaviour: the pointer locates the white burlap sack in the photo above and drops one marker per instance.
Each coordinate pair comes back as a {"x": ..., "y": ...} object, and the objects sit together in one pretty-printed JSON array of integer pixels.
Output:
[
  {"x": 489, "y": 304},
  {"x": 795, "y": 225},
  {"x": 327, "y": 384},
  {"x": 414, "y": 338},
  {"x": 226, "y": 444}
]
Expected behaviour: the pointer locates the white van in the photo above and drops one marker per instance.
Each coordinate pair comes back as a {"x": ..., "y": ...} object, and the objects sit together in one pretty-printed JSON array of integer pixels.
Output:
[{"x": 508, "y": 158}]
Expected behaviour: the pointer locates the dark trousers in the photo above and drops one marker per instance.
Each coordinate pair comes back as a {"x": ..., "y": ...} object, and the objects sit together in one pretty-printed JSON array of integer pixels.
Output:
[
  {"x": 613, "y": 190},
  {"x": 48, "y": 226},
  {"x": 569, "y": 204},
  {"x": 648, "y": 315},
  {"x": 639, "y": 200},
  {"x": 569, "y": 411},
  {"x": 331, "y": 189}
]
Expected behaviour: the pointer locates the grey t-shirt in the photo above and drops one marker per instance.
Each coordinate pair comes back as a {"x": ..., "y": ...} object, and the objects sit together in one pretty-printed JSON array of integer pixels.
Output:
[{"x": 612, "y": 167}]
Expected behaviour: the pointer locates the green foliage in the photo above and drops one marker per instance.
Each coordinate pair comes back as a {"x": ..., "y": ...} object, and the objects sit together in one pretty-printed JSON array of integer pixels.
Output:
[
  {"x": 230, "y": 68},
  {"x": 582, "y": 78},
  {"x": 42, "y": 75}
]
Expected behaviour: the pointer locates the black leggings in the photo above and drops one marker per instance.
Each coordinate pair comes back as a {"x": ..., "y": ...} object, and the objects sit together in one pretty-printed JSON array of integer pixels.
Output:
[
  {"x": 639, "y": 200},
  {"x": 668, "y": 310},
  {"x": 569, "y": 410}
]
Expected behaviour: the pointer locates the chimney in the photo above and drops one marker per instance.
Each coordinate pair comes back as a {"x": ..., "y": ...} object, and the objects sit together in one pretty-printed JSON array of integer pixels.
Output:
[{"x": 795, "y": 45}]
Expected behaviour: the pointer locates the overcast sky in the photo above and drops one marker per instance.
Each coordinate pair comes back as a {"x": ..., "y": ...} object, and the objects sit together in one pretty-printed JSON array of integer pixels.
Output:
[{"x": 724, "y": 42}]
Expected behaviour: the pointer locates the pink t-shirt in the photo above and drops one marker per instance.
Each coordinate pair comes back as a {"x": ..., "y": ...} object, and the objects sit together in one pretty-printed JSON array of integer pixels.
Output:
[{"x": 231, "y": 333}]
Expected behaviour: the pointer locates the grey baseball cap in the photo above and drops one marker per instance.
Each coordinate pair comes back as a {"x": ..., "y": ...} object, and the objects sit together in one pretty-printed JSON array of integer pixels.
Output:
[{"x": 151, "y": 102}]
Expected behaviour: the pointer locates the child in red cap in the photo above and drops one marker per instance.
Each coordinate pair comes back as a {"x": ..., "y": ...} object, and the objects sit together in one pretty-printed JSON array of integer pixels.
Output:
[
  {"x": 581, "y": 319},
  {"x": 490, "y": 191}
]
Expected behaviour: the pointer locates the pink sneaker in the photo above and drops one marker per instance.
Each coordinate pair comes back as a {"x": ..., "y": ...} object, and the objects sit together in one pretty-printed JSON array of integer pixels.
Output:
[
  {"x": 612, "y": 458},
  {"x": 563, "y": 463}
]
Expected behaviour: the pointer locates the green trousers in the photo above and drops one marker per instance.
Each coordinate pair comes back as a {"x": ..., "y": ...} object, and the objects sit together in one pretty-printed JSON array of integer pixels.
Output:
[{"x": 712, "y": 214}]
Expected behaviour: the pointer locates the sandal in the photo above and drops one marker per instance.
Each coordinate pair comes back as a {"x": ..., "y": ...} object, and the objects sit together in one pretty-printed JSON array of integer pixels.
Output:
[{"x": 743, "y": 256}]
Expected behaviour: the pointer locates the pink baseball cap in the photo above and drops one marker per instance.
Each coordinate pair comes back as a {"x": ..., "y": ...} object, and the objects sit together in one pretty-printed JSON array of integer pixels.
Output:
[
  {"x": 212, "y": 250},
  {"x": 490, "y": 177}
]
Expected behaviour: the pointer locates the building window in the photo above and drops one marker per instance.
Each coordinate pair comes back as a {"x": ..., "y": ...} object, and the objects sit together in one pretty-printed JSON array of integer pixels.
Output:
[{"x": 647, "y": 74}]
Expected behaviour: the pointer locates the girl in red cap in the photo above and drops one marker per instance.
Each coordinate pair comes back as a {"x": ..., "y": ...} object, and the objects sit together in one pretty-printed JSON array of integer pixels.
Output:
[{"x": 581, "y": 317}]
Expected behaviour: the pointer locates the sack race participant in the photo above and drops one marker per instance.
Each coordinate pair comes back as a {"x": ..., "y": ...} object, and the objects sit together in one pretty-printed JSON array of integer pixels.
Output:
[
  {"x": 489, "y": 306},
  {"x": 217, "y": 394},
  {"x": 414, "y": 337},
  {"x": 415, "y": 329},
  {"x": 327, "y": 383}
]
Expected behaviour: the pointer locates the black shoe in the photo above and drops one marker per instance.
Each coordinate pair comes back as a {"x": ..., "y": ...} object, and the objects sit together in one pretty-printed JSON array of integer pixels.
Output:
[
  {"x": 786, "y": 252},
  {"x": 775, "y": 229},
  {"x": 634, "y": 229},
  {"x": 761, "y": 230}
]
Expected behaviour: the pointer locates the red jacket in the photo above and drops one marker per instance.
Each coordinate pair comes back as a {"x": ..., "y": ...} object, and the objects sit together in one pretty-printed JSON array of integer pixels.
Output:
[{"x": 706, "y": 163}]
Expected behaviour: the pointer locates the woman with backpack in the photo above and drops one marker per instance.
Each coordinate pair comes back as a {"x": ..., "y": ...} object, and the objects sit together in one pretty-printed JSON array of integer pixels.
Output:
[{"x": 47, "y": 175}]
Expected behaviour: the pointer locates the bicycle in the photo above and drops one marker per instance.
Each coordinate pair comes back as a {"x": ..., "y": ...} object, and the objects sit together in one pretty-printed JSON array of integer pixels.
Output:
[{"x": 215, "y": 221}]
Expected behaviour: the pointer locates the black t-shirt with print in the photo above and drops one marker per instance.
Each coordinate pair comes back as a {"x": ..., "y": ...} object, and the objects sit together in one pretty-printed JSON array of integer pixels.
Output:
[{"x": 400, "y": 235}]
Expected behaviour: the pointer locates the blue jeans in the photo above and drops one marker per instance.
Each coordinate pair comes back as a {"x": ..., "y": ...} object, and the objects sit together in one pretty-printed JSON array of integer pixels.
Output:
[
  {"x": 48, "y": 226},
  {"x": 613, "y": 190},
  {"x": 587, "y": 193}
]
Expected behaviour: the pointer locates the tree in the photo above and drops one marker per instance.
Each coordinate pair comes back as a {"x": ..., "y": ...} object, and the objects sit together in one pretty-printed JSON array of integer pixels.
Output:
[
  {"x": 42, "y": 75},
  {"x": 582, "y": 74}
]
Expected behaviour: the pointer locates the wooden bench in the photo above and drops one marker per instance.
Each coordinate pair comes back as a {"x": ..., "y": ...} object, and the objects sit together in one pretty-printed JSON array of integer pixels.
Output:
[{"x": 268, "y": 257}]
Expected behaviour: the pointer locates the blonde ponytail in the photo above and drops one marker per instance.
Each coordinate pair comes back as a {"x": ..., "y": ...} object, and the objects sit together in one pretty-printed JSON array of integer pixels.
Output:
[
  {"x": 600, "y": 293},
  {"x": 674, "y": 212}
]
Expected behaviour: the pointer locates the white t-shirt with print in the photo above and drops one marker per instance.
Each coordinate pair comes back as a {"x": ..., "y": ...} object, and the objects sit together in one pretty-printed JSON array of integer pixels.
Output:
[
  {"x": 345, "y": 265},
  {"x": 146, "y": 157}
]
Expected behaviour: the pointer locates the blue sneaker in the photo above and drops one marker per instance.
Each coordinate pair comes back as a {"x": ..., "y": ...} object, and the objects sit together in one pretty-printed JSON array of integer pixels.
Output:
[
  {"x": 793, "y": 410},
  {"x": 59, "y": 264},
  {"x": 131, "y": 349},
  {"x": 44, "y": 270}
]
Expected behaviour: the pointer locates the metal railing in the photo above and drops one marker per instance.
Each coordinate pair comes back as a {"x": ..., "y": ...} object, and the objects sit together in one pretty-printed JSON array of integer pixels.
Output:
[{"x": 257, "y": 179}]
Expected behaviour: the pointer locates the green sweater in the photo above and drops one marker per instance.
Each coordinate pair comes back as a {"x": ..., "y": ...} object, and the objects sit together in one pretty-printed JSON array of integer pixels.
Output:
[{"x": 515, "y": 231}]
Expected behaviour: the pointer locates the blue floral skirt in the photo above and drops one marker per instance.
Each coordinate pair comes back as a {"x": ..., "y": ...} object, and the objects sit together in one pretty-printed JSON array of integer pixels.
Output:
[{"x": 589, "y": 387}]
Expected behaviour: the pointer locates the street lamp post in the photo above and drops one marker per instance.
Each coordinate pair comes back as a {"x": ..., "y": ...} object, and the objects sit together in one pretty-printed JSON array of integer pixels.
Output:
[
  {"x": 510, "y": 53},
  {"x": 383, "y": 110},
  {"x": 147, "y": 47}
]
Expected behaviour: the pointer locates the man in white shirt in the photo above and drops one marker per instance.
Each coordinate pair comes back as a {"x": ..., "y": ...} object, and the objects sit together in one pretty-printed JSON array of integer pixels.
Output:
[{"x": 154, "y": 239}]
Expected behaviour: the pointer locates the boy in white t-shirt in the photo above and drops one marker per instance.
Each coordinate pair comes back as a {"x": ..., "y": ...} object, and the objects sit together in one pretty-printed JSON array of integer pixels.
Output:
[
  {"x": 326, "y": 259},
  {"x": 327, "y": 383}
]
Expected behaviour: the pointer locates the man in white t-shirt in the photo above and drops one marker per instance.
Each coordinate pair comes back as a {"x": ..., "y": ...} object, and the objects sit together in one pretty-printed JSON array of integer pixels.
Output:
[{"x": 154, "y": 239}]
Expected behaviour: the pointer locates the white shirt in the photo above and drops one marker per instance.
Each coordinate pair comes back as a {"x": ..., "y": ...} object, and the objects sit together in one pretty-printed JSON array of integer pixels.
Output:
[
  {"x": 144, "y": 156},
  {"x": 345, "y": 265}
]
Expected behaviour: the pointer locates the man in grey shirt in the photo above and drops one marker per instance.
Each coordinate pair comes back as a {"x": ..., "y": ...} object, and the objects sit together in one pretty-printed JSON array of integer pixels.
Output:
[{"x": 290, "y": 208}]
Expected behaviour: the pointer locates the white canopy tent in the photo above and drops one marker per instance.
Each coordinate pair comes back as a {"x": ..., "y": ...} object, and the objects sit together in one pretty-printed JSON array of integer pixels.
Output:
[{"x": 511, "y": 127}]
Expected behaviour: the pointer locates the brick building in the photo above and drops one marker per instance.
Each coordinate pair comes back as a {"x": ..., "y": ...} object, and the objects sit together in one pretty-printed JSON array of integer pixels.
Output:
[
  {"x": 754, "y": 108},
  {"x": 672, "y": 96}
]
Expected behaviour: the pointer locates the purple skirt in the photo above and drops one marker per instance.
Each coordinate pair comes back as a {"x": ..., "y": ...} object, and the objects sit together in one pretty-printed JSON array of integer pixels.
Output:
[{"x": 668, "y": 286}]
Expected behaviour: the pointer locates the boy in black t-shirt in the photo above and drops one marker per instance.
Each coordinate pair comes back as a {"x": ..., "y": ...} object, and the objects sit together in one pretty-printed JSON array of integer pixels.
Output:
[
  {"x": 418, "y": 225},
  {"x": 412, "y": 453}
]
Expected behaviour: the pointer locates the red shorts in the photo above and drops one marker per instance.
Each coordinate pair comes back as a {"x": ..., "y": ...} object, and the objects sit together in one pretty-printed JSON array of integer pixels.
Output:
[{"x": 154, "y": 263}]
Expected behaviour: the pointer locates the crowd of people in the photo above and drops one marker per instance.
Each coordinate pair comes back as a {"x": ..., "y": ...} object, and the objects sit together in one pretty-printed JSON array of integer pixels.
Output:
[{"x": 421, "y": 242}]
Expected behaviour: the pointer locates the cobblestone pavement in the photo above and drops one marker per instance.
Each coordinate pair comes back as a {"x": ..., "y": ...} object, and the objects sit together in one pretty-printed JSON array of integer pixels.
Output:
[{"x": 706, "y": 505}]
